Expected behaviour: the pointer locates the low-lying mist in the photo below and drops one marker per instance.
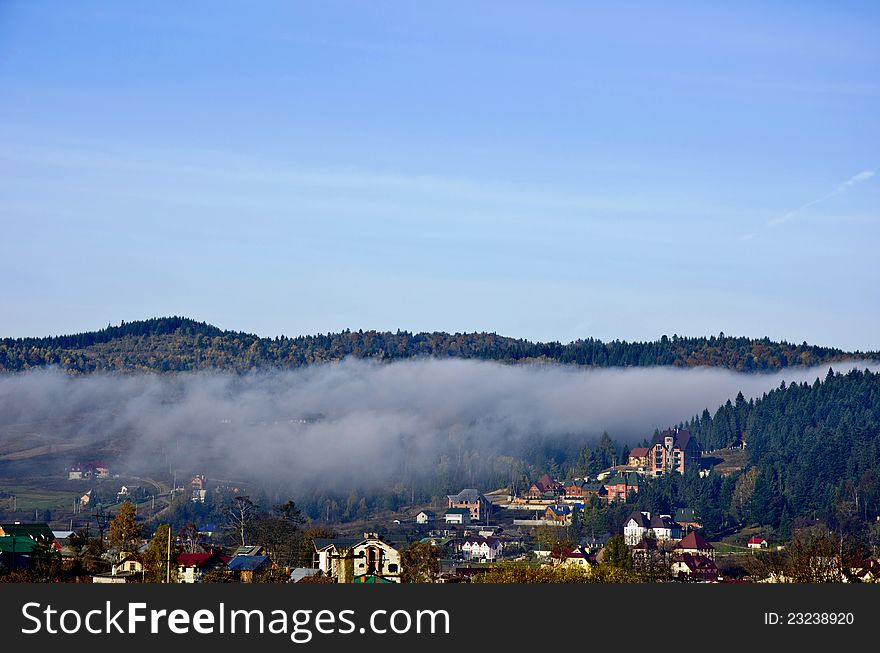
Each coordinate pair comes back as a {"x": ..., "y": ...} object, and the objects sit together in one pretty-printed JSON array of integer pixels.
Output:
[{"x": 357, "y": 423}]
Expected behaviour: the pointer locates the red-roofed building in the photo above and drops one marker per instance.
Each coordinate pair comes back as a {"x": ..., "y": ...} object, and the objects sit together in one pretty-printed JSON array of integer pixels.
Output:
[
  {"x": 192, "y": 566},
  {"x": 695, "y": 544},
  {"x": 544, "y": 487},
  {"x": 756, "y": 542},
  {"x": 687, "y": 566},
  {"x": 638, "y": 457},
  {"x": 579, "y": 557}
]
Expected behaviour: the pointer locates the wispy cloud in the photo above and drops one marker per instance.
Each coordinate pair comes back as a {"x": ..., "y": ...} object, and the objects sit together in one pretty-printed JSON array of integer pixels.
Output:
[{"x": 863, "y": 176}]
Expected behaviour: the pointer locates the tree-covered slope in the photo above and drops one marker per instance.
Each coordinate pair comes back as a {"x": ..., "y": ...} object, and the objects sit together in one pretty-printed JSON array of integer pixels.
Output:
[
  {"x": 180, "y": 344},
  {"x": 813, "y": 449}
]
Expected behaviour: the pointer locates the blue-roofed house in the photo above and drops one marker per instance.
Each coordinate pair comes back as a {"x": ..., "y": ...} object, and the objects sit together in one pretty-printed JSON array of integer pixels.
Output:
[
  {"x": 558, "y": 514},
  {"x": 246, "y": 566}
]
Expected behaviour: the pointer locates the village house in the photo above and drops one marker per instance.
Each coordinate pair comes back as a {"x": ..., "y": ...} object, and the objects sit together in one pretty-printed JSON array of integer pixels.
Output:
[
  {"x": 478, "y": 505},
  {"x": 131, "y": 493},
  {"x": 620, "y": 485},
  {"x": 198, "y": 488},
  {"x": 36, "y": 531},
  {"x": 85, "y": 471},
  {"x": 117, "y": 576},
  {"x": 674, "y": 450},
  {"x": 695, "y": 544},
  {"x": 665, "y": 528},
  {"x": 328, "y": 549},
  {"x": 756, "y": 542},
  {"x": 358, "y": 560},
  {"x": 691, "y": 567},
  {"x": 575, "y": 488},
  {"x": 641, "y": 524},
  {"x": 129, "y": 569},
  {"x": 638, "y": 457},
  {"x": 192, "y": 566},
  {"x": 544, "y": 488},
  {"x": 486, "y": 549},
  {"x": 245, "y": 567},
  {"x": 16, "y": 551},
  {"x": 579, "y": 557},
  {"x": 458, "y": 516},
  {"x": 560, "y": 515},
  {"x": 580, "y": 489},
  {"x": 426, "y": 517},
  {"x": 131, "y": 562}
]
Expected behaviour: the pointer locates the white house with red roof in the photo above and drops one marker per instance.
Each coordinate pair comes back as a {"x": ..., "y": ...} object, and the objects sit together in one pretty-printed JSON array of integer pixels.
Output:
[
  {"x": 691, "y": 567},
  {"x": 192, "y": 566},
  {"x": 756, "y": 542}
]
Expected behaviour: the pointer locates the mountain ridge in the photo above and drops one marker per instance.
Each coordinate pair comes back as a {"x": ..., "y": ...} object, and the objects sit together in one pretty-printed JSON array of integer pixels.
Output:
[{"x": 177, "y": 343}]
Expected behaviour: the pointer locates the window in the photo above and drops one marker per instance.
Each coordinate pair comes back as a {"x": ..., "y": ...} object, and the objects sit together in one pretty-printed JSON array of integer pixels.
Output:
[{"x": 392, "y": 569}]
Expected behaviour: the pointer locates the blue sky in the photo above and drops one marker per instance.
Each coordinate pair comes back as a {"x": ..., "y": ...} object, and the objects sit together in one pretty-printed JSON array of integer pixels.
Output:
[{"x": 544, "y": 170}]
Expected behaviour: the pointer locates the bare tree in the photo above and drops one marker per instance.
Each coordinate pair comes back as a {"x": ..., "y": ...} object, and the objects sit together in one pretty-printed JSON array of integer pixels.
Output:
[{"x": 239, "y": 517}]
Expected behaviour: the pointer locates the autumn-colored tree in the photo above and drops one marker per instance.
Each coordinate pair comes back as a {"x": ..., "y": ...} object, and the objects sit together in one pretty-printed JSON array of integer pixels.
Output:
[
  {"x": 742, "y": 494},
  {"x": 125, "y": 532},
  {"x": 516, "y": 572},
  {"x": 219, "y": 575},
  {"x": 274, "y": 574},
  {"x": 420, "y": 563}
]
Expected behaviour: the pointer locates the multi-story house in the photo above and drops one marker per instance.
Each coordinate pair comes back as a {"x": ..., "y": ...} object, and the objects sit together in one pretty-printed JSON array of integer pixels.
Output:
[
  {"x": 638, "y": 457},
  {"x": 479, "y": 506},
  {"x": 480, "y": 548},
  {"x": 661, "y": 527},
  {"x": 619, "y": 486},
  {"x": 673, "y": 451},
  {"x": 353, "y": 560},
  {"x": 544, "y": 488},
  {"x": 581, "y": 488}
]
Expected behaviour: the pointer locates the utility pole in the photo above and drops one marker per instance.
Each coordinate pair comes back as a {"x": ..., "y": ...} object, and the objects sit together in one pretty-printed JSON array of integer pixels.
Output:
[{"x": 102, "y": 519}]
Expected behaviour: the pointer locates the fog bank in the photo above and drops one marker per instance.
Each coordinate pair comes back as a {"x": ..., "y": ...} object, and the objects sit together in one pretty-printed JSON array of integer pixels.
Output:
[{"x": 359, "y": 421}]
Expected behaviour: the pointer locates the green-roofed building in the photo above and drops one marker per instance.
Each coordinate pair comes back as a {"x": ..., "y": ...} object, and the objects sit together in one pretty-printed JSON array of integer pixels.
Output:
[
  {"x": 17, "y": 544},
  {"x": 621, "y": 484},
  {"x": 16, "y": 551},
  {"x": 371, "y": 579},
  {"x": 35, "y": 531}
]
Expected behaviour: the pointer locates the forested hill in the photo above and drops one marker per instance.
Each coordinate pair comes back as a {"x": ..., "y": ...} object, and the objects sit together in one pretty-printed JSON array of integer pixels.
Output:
[
  {"x": 179, "y": 344},
  {"x": 813, "y": 449}
]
